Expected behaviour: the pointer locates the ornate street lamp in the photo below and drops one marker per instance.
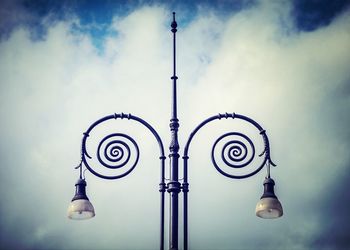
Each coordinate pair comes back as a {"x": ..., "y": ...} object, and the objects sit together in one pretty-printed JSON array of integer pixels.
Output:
[{"x": 114, "y": 151}]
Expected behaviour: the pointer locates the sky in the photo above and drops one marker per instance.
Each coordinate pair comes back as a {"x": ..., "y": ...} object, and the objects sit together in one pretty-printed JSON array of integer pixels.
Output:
[{"x": 66, "y": 64}]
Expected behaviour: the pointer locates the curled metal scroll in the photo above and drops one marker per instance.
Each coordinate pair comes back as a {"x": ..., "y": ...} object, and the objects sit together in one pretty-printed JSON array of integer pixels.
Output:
[
  {"x": 235, "y": 153},
  {"x": 236, "y": 150},
  {"x": 117, "y": 154},
  {"x": 114, "y": 151}
]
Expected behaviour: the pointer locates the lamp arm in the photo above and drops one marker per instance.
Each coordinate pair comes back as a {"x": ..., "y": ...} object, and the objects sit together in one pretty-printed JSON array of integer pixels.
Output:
[
  {"x": 117, "y": 149},
  {"x": 116, "y": 116},
  {"x": 266, "y": 152}
]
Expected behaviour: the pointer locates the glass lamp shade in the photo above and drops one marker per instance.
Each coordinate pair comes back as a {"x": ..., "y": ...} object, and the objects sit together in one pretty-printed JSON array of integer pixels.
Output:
[
  {"x": 80, "y": 210},
  {"x": 269, "y": 207}
]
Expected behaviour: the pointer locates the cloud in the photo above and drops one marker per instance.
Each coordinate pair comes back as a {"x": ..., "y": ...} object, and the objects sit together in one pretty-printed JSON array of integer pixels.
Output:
[
  {"x": 296, "y": 84},
  {"x": 310, "y": 15},
  {"x": 12, "y": 14}
]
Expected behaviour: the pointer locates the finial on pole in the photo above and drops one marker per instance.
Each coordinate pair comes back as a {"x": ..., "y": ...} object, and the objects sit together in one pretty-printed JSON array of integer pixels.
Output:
[{"x": 174, "y": 24}]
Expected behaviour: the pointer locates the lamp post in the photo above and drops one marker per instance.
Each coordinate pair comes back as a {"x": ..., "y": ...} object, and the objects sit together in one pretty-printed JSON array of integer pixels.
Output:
[{"x": 118, "y": 151}]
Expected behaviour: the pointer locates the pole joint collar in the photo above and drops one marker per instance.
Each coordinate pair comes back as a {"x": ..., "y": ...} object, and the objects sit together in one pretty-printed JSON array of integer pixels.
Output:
[{"x": 173, "y": 187}]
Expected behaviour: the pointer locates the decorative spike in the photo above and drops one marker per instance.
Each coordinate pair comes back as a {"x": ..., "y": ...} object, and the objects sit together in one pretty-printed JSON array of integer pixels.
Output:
[{"x": 174, "y": 24}]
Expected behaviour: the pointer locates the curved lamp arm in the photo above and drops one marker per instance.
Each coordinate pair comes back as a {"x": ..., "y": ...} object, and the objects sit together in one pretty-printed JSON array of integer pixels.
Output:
[
  {"x": 267, "y": 159},
  {"x": 266, "y": 151},
  {"x": 113, "y": 152}
]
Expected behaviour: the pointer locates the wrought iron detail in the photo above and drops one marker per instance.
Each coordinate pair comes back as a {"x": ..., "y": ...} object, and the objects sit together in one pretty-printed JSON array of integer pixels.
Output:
[
  {"x": 235, "y": 152},
  {"x": 114, "y": 151},
  {"x": 238, "y": 152}
]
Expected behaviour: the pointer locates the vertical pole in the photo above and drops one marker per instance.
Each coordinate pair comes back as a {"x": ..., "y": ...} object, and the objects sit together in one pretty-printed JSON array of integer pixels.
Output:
[
  {"x": 173, "y": 184},
  {"x": 185, "y": 204},
  {"x": 162, "y": 194}
]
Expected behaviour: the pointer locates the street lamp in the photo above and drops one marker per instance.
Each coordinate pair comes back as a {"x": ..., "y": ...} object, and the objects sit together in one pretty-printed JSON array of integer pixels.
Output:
[
  {"x": 120, "y": 151},
  {"x": 80, "y": 208}
]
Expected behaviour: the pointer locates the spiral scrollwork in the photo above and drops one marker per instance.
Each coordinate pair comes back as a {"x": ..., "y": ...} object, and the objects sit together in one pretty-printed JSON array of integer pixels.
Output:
[
  {"x": 115, "y": 152},
  {"x": 233, "y": 154},
  {"x": 236, "y": 150}
]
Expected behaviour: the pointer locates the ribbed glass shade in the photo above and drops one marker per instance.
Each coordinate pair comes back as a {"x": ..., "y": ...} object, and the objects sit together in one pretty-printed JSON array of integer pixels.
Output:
[
  {"x": 80, "y": 210},
  {"x": 269, "y": 208}
]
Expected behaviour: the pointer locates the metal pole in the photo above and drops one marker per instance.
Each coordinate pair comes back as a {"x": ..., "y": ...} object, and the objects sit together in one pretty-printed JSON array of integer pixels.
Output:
[
  {"x": 185, "y": 203},
  {"x": 173, "y": 184}
]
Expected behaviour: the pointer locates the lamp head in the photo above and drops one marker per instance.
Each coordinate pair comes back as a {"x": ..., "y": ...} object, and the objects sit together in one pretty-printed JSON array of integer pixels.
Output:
[
  {"x": 80, "y": 208},
  {"x": 269, "y": 207}
]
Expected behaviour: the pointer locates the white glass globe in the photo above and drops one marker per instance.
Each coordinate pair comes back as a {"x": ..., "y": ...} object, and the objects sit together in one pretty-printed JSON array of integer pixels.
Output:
[
  {"x": 269, "y": 208},
  {"x": 80, "y": 210}
]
